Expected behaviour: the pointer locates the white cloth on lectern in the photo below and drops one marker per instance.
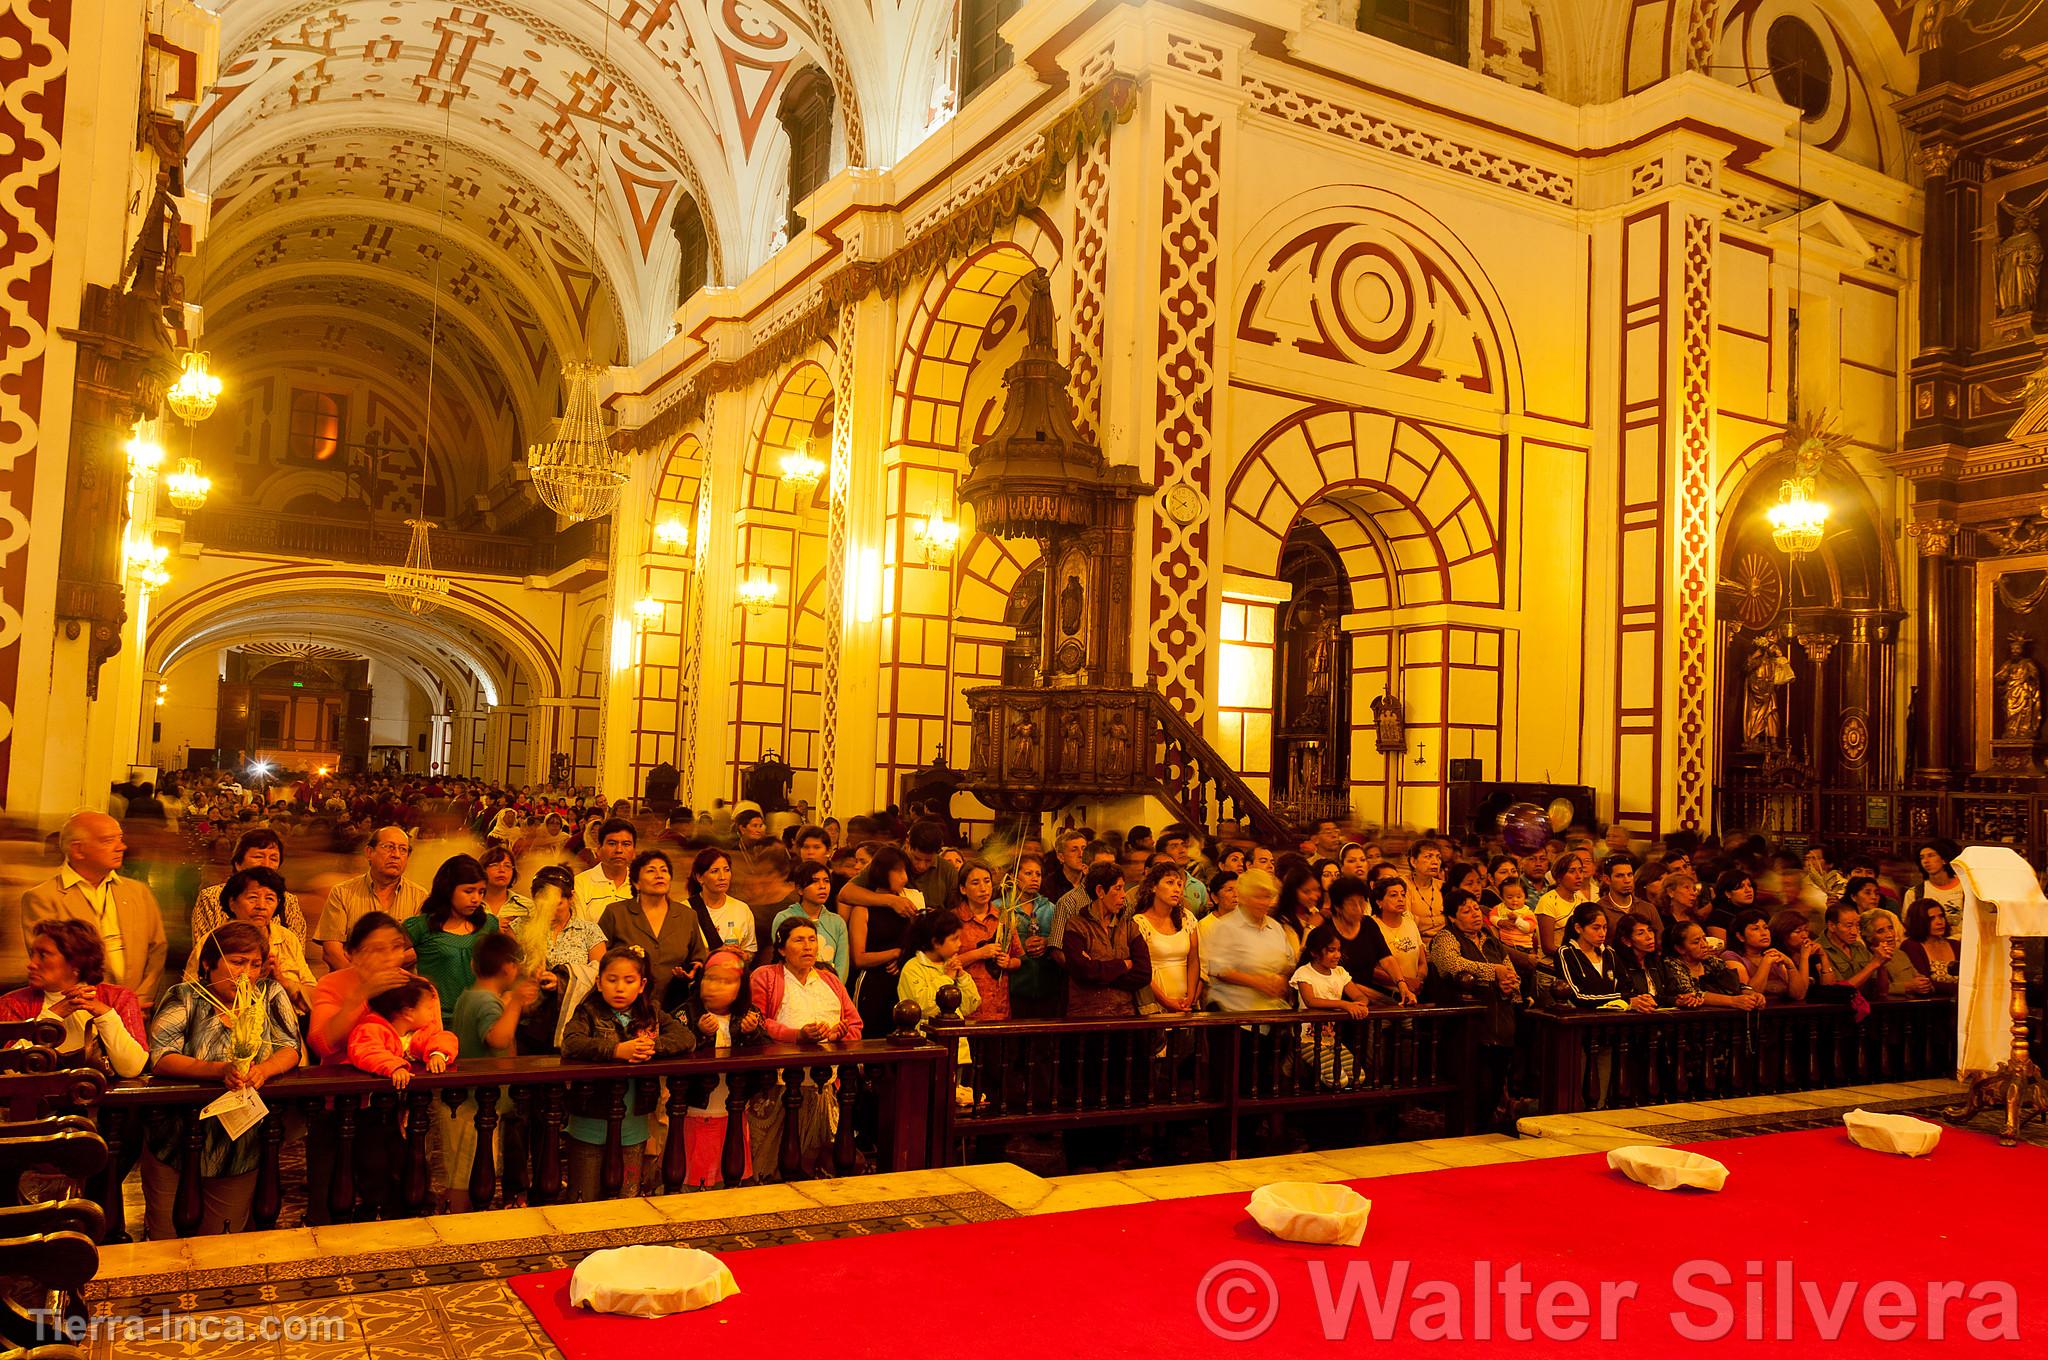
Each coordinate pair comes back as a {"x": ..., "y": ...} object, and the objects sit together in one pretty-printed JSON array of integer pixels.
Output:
[{"x": 2001, "y": 898}]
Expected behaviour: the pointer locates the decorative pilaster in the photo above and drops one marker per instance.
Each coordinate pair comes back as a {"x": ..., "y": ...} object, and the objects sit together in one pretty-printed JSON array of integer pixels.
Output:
[
  {"x": 693, "y": 670},
  {"x": 1694, "y": 527},
  {"x": 841, "y": 487},
  {"x": 1934, "y": 729}
]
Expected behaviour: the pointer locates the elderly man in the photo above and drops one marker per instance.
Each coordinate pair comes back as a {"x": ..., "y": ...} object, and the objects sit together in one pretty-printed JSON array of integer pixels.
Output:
[
  {"x": 383, "y": 888},
  {"x": 608, "y": 880},
  {"x": 122, "y": 910}
]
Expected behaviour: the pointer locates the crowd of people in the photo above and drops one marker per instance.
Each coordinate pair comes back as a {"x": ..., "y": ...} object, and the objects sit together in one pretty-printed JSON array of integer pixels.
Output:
[{"x": 561, "y": 925}]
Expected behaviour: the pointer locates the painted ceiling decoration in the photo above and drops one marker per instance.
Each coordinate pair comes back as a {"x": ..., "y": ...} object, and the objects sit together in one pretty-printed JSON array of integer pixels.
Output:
[{"x": 335, "y": 130}]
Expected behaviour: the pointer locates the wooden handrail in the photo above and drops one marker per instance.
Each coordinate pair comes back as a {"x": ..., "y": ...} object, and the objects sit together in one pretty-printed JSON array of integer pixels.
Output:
[{"x": 1209, "y": 767}]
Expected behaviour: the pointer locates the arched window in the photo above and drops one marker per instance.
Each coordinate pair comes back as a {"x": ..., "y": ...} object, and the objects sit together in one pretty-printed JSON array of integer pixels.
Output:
[
  {"x": 1433, "y": 26},
  {"x": 806, "y": 115},
  {"x": 695, "y": 244},
  {"x": 983, "y": 53}
]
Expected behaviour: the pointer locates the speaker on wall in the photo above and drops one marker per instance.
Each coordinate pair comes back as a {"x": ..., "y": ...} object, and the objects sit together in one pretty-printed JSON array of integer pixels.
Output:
[{"x": 1469, "y": 770}]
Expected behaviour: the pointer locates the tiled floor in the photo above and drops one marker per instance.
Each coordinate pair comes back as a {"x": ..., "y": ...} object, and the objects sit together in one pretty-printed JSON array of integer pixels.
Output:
[{"x": 430, "y": 1289}]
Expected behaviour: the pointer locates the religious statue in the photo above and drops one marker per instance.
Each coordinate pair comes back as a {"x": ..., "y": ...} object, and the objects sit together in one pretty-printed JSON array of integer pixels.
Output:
[
  {"x": 1316, "y": 653},
  {"x": 2019, "y": 688},
  {"x": 1116, "y": 750},
  {"x": 1024, "y": 744},
  {"x": 1070, "y": 742},
  {"x": 1072, "y": 601},
  {"x": 1767, "y": 669},
  {"x": 2017, "y": 267},
  {"x": 1390, "y": 729}
]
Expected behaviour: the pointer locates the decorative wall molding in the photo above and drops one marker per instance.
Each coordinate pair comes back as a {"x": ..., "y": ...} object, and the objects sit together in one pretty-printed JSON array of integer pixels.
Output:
[
  {"x": 1694, "y": 528},
  {"x": 1184, "y": 405},
  {"x": 841, "y": 483},
  {"x": 1367, "y": 129},
  {"x": 1087, "y": 318}
]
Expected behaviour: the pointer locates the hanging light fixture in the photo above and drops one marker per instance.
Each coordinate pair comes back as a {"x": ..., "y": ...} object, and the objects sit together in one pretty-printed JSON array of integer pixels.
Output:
[
  {"x": 648, "y": 610},
  {"x": 146, "y": 559},
  {"x": 755, "y": 594},
  {"x": 415, "y": 587},
  {"x": 196, "y": 392},
  {"x": 1800, "y": 518},
  {"x": 578, "y": 473},
  {"x": 801, "y": 472},
  {"x": 672, "y": 535},
  {"x": 938, "y": 536},
  {"x": 188, "y": 486}
]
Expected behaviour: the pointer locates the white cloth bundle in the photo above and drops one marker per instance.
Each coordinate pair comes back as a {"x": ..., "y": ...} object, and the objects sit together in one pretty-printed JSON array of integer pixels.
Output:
[
  {"x": 1304, "y": 1211},
  {"x": 1900, "y": 1133},
  {"x": 650, "y": 1282},
  {"x": 2001, "y": 898},
  {"x": 1668, "y": 1168}
]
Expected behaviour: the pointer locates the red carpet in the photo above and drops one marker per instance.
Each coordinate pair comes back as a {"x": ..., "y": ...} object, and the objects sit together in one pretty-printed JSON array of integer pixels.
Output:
[{"x": 1825, "y": 1223}]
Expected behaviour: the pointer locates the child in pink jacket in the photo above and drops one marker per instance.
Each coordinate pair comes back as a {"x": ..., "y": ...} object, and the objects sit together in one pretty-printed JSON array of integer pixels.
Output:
[{"x": 398, "y": 1028}]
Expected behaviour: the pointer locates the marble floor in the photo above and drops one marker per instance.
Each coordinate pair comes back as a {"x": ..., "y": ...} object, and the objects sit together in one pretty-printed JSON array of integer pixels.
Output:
[{"x": 432, "y": 1288}]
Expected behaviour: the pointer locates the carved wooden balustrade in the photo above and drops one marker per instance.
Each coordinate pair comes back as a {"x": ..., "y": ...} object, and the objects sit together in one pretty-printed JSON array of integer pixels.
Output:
[
  {"x": 1889, "y": 820},
  {"x": 1033, "y": 749}
]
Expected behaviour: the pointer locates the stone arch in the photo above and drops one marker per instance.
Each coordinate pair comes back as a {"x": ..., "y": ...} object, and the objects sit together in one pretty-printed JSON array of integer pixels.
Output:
[{"x": 1399, "y": 505}]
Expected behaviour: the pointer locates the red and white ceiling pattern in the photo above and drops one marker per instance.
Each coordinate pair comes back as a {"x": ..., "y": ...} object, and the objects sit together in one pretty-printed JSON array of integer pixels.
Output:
[{"x": 336, "y": 127}]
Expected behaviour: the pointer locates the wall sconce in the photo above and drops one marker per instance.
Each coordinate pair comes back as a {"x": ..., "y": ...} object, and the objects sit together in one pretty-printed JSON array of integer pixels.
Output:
[
  {"x": 162, "y": 692},
  {"x": 145, "y": 455},
  {"x": 755, "y": 594},
  {"x": 801, "y": 472},
  {"x": 146, "y": 564},
  {"x": 938, "y": 537},
  {"x": 648, "y": 610},
  {"x": 672, "y": 535}
]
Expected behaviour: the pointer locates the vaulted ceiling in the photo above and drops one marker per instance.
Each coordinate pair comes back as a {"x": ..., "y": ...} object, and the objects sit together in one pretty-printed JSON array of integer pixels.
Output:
[{"x": 386, "y": 153}]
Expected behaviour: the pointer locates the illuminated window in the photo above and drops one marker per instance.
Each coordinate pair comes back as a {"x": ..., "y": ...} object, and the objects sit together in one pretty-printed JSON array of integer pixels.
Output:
[{"x": 318, "y": 427}]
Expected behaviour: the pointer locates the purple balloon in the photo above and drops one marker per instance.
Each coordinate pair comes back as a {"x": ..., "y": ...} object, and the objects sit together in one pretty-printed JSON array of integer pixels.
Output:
[{"x": 1525, "y": 828}]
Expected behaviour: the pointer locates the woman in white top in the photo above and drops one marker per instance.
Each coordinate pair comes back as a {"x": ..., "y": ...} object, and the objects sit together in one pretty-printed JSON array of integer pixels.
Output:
[
  {"x": 67, "y": 966},
  {"x": 1941, "y": 884},
  {"x": 710, "y": 878},
  {"x": 256, "y": 895},
  {"x": 1171, "y": 940},
  {"x": 1405, "y": 965}
]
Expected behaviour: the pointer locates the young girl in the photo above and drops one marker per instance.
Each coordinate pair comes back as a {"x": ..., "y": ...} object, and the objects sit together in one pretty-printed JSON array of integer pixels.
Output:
[
  {"x": 935, "y": 941},
  {"x": 617, "y": 1022},
  {"x": 449, "y": 924},
  {"x": 721, "y": 1013},
  {"x": 402, "y": 1026},
  {"x": 1324, "y": 985}
]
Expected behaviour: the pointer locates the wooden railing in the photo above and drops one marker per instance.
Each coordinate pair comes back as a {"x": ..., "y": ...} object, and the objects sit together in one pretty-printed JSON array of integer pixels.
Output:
[
  {"x": 385, "y": 544},
  {"x": 1888, "y": 821},
  {"x": 1198, "y": 783},
  {"x": 1591, "y": 1060},
  {"x": 48, "y": 1246},
  {"x": 1038, "y": 1076},
  {"x": 360, "y": 1113}
]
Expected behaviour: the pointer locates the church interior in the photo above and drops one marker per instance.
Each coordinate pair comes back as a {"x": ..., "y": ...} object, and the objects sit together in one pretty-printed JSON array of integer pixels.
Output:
[{"x": 805, "y": 636}]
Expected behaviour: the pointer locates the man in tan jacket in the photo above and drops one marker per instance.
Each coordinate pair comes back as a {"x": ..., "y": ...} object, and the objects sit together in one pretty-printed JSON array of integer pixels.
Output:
[{"x": 122, "y": 910}]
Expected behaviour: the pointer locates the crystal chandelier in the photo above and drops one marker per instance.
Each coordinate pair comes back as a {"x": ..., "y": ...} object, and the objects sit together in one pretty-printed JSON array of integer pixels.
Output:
[
  {"x": 755, "y": 594},
  {"x": 196, "y": 392},
  {"x": 801, "y": 473},
  {"x": 578, "y": 473},
  {"x": 415, "y": 587},
  {"x": 188, "y": 486}
]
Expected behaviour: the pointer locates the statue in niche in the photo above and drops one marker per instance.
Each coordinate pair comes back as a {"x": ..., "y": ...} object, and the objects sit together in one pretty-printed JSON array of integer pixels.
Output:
[
  {"x": 1070, "y": 742},
  {"x": 1318, "y": 648},
  {"x": 2016, "y": 268},
  {"x": 2019, "y": 691},
  {"x": 1767, "y": 669},
  {"x": 1116, "y": 749},
  {"x": 1024, "y": 744},
  {"x": 1073, "y": 601},
  {"x": 1390, "y": 728}
]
